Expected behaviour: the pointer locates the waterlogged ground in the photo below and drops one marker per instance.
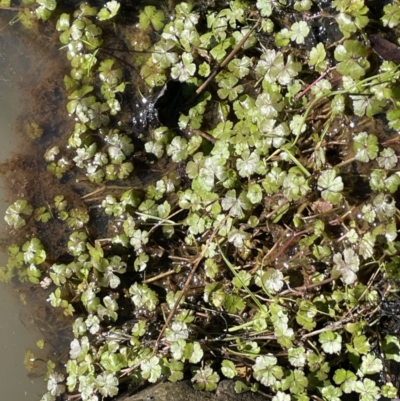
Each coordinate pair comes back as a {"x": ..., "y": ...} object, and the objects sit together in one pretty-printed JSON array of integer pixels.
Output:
[
  {"x": 28, "y": 91},
  {"x": 282, "y": 242},
  {"x": 32, "y": 69}
]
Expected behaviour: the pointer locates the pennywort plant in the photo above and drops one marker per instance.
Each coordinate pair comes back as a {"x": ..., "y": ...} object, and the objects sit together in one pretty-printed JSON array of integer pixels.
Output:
[{"x": 265, "y": 251}]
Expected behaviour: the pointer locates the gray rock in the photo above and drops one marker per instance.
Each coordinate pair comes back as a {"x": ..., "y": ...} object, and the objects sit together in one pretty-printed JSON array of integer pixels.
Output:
[{"x": 184, "y": 391}]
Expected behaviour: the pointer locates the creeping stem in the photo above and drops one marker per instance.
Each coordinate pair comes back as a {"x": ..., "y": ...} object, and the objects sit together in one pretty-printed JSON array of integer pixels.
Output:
[{"x": 230, "y": 56}]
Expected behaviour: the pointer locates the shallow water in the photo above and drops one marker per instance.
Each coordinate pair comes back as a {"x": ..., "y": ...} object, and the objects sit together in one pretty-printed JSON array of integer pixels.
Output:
[{"x": 15, "y": 57}]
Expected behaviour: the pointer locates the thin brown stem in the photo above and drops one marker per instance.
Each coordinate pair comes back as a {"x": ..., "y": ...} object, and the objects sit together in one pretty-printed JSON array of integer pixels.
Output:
[
  {"x": 187, "y": 282},
  {"x": 159, "y": 276},
  {"x": 205, "y": 135},
  {"x": 95, "y": 192},
  {"x": 307, "y": 287},
  {"x": 286, "y": 246},
  {"x": 332, "y": 327},
  {"x": 228, "y": 58},
  {"x": 104, "y": 188},
  {"x": 343, "y": 163},
  {"x": 308, "y": 88}
]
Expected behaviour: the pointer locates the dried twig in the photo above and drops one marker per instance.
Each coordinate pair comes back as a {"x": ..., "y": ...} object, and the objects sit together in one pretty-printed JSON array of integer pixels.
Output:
[
  {"x": 228, "y": 58},
  {"x": 306, "y": 287},
  {"x": 186, "y": 285}
]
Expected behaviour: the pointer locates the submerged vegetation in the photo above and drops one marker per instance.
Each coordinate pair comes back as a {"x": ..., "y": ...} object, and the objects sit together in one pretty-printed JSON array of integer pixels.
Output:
[{"x": 265, "y": 248}]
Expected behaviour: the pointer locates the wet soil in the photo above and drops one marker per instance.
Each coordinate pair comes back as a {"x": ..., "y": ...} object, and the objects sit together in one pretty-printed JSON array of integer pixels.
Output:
[
  {"x": 183, "y": 391},
  {"x": 41, "y": 67},
  {"x": 35, "y": 72}
]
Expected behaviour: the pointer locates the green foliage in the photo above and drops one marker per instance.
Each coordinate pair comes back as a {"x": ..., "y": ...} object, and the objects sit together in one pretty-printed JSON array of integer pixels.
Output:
[
  {"x": 347, "y": 266},
  {"x": 318, "y": 57},
  {"x": 205, "y": 379},
  {"x": 256, "y": 200},
  {"x": 184, "y": 69},
  {"x": 391, "y": 347},
  {"x": 267, "y": 371},
  {"x": 352, "y": 59},
  {"x": 330, "y": 342},
  {"x": 365, "y": 147},
  {"x": 151, "y": 16},
  {"x": 391, "y": 17},
  {"x": 45, "y": 9},
  {"x": 330, "y": 186},
  {"x": 228, "y": 369},
  {"x": 13, "y": 213},
  {"x": 346, "y": 379},
  {"x": 299, "y": 30},
  {"x": 143, "y": 296},
  {"x": 266, "y": 7},
  {"x": 109, "y": 10}
]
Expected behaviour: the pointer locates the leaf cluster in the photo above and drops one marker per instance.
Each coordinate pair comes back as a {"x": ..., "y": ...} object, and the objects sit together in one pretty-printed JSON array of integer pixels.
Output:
[{"x": 286, "y": 264}]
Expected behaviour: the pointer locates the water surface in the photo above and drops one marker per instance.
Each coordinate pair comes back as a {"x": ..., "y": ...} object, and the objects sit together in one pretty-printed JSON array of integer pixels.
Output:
[{"x": 19, "y": 62}]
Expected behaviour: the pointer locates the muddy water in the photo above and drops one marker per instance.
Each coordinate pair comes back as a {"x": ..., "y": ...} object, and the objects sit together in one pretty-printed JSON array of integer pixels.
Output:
[
  {"x": 14, "y": 336},
  {"x": 17, "y": 79}
]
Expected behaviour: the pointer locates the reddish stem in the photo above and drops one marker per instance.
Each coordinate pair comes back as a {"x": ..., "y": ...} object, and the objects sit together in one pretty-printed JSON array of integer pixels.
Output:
[{"x": 308, "y": 88}]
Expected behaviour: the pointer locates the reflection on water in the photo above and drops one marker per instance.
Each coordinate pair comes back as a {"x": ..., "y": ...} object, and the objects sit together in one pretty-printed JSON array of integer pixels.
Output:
[
  {"x": 17, "y": 333},
  {"x": 15, "y": 337}
]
